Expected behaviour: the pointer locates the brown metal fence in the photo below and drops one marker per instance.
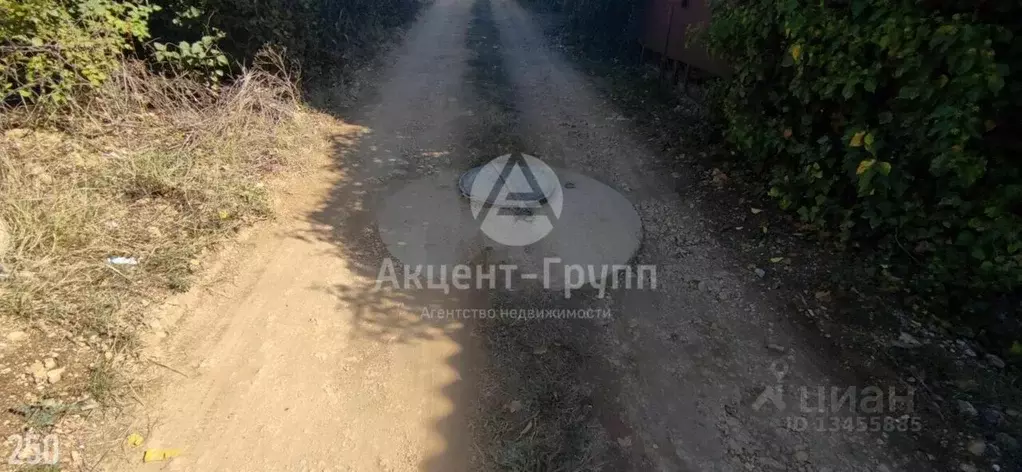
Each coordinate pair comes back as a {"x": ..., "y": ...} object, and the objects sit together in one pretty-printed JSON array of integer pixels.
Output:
[{"x": 667, "y": 26}]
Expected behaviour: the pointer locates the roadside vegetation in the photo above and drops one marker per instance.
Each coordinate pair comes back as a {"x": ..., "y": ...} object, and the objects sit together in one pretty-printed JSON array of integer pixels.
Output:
[
  {"x": 134, "y": 137},
  {"x": 890, "y": 128},
  {"x": 135, "y": 134},
  {"x": 873, "y": 145}
]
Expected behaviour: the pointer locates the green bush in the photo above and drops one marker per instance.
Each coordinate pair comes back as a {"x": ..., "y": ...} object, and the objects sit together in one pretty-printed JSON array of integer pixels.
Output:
[
  {"x": 53, "y": 50},
  {"x": 50, "y": 48},
  {"x": 315, "y": 33},
  {"x": 893, "y": 123}
]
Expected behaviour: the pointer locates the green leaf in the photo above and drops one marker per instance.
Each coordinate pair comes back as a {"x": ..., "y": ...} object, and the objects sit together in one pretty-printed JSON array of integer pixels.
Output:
[
  {"x": 908, "y": 92},
  {"x": 849, "y": 90},
  {"x": 995, "y": 83}
]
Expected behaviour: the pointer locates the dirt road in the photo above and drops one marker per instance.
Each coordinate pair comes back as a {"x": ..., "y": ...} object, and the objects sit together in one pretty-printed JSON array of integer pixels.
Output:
[{"x": 298, "y": 362}]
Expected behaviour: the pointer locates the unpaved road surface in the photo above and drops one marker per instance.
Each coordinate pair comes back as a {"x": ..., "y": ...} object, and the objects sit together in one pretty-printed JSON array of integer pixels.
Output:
[{"x": 297, "y": 362}]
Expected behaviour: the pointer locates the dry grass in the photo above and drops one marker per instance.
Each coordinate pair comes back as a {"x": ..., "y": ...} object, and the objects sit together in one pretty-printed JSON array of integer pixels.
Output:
[{"x": 153, "y": 168}]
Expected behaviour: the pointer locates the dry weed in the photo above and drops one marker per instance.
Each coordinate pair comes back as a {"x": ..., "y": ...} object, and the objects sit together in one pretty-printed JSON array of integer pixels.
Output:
[{"x": 152, "y": 169}]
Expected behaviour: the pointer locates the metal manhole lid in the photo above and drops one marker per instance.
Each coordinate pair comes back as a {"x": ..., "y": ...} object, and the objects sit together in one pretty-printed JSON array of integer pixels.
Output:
[{"x": 545, "y": 179}]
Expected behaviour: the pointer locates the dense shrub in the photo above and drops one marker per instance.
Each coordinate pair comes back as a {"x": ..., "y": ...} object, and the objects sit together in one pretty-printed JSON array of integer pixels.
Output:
[
  {"x": 893, "y": 122},
  {"x": 316, "y": 33},
  {"x": 50, "y": 50}
]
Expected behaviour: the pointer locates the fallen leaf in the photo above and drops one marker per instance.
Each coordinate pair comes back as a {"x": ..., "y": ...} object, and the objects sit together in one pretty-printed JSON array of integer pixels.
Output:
[
  {"x": 776, "y": 259},
  {"x": 135, "y": 440},
  {"x": 540, "y": 350},
  {"x": 756, "y": 211},
  {"x": 514, "y": 406},
  {"x": 156, "y": 455}
]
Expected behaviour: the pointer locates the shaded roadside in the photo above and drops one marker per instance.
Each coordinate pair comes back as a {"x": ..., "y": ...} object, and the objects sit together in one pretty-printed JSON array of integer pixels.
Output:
[
  {"x": 688, "y": 361},
  {"x": 848, "y": 307}
]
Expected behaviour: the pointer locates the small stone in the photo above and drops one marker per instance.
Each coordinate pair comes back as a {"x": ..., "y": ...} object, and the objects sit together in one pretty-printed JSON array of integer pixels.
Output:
[
  {"x": 966, "y": 409},
  {"x": 718, "y": 177},
  {"x": 759, "y": 272},
  {"x": 802, "y": 456},
  {"x": 1006, "y": 441},
  {"x": 907, "y": 341},
  {"x": 966, "y": 467},
  {"x": 1011, "y": 413},
  {"x": 16, "y": 336},
  {"x": 995, "y": 361},
  {"x": 54, "y": 375},
  {"x": 991, "y": 417},
  {"x": 50, "y": 363},
  {"x": 776, "y": 348},
  {"x": 977, "y": 447},
  {"x": 37, "y": 370},
  {"x": 89, "y": 404}
]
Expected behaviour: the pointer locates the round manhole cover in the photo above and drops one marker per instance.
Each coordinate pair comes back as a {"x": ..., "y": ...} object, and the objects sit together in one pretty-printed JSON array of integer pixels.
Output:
[{"x": 510, "y": 180}]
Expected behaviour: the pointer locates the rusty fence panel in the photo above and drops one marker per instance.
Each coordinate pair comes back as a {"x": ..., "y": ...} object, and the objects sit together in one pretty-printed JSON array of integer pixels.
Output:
[{"x": 667, "y": 24}]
